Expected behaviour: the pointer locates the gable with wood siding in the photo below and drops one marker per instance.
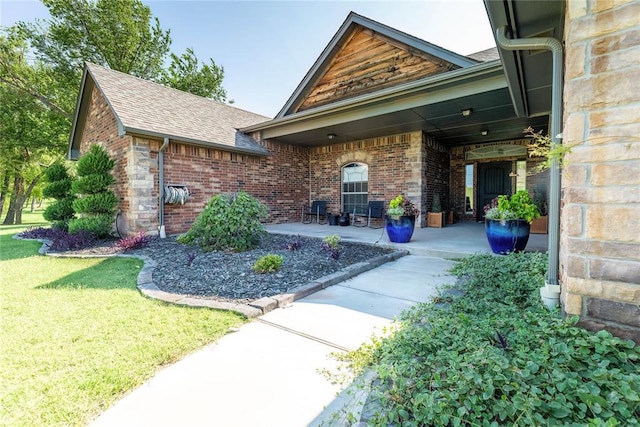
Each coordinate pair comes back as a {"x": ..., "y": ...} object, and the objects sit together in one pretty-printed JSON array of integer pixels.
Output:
[{"x": 370, "y": 61}]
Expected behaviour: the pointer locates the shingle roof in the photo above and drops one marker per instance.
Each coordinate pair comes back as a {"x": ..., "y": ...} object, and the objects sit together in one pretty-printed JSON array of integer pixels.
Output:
[
  {"x": 486, "y": 55},
  {"x": 148, "y": 108}
]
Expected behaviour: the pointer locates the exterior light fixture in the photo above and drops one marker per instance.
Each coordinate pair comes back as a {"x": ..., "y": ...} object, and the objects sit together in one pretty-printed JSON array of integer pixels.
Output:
[
  {"x": 331, "y": 135},
  {"x": 484, "y": 133},
  {"x": 466, "y": 112}
]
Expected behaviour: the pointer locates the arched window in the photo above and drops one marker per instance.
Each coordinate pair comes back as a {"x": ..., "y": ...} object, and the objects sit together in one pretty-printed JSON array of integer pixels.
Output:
[{"x": 355, "y": 187}]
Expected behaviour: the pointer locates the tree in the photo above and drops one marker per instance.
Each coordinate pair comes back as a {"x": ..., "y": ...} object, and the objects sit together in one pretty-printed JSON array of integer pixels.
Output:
[
  {"x": 184, "y": 74},
  {"x": 59, "y": 184},
  {"x": 30, "y": 137},
  {"x": 96, "y": 202}
]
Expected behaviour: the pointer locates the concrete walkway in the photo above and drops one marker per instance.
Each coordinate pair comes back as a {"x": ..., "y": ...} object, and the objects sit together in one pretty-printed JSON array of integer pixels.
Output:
[{"x": 267, "y": 373}]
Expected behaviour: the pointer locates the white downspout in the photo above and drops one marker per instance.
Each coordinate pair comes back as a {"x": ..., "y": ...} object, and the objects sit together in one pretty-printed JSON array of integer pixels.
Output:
[
  {"x": 163, "y": 148},
  {"x": 550, "y": 293}
]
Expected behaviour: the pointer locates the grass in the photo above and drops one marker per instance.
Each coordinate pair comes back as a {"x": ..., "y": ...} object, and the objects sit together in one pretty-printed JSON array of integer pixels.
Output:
[{"x": 77, "y": 334}]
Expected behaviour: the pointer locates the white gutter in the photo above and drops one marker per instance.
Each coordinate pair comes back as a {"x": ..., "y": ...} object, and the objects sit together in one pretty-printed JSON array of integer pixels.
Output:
[{"x": 551, "y": 291}]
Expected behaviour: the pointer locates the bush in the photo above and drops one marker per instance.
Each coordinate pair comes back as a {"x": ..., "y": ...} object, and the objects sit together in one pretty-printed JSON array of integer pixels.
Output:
[
  {"x": 101, "y": 203},
  {"x": 99, "y": 225},
  {"x": 496, "y": 356},
  {"x": 92, "y": 184},
  {"x": 60, "y": 212},
  {"x": 96, "y": 161},
  {"x": 96, "y": 203},
  {"x": 268, "y": 263},
  {"x": 137, "y": 241},
  {"x": 60, "y": 239},
  {"x": 228, "y": 222}
]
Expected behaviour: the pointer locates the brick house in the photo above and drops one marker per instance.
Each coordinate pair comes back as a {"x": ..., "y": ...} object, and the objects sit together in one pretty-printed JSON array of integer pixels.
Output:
[{"x": 380, "y": 113}]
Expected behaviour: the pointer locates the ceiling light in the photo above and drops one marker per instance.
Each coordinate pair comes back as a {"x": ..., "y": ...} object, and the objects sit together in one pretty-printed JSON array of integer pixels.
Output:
[
  {"x": 331, "y": 135},
  {"x": 467, "y": 112}
]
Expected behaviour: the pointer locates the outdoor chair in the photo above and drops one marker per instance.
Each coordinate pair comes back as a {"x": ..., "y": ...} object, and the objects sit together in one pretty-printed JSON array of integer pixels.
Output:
[
  {"x": 375, "y": 210},
  {"x": 318, "y": 209}
]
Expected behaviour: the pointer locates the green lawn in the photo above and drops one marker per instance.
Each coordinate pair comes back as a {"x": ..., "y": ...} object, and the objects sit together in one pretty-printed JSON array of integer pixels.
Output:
[{"x": 76, "y": 334}]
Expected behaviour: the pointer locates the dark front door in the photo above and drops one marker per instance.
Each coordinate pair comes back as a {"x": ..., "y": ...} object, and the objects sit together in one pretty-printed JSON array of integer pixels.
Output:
[{"x": 493, "y": 180}]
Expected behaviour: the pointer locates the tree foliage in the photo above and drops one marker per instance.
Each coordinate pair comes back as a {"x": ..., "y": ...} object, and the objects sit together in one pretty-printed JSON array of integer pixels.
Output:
[{"x": 96, "y": 202}]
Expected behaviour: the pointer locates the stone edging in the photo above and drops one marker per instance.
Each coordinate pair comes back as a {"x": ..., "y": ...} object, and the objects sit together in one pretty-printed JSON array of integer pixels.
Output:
[{"x": 253, "y": 309}]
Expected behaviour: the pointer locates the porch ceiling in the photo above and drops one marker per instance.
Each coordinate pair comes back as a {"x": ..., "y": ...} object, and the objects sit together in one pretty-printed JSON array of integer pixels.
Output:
[{"x": 491, "y": 111}]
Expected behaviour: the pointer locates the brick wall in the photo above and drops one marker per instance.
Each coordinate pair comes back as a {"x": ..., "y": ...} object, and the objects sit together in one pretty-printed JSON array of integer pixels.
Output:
[
  {"x": 436, "y": 170},
  {"x": 600, "y": 221},
  {"x": 101, "y": 128},
  {"x": 395, "y": 167},
  {"x": 279, "y": 180}
]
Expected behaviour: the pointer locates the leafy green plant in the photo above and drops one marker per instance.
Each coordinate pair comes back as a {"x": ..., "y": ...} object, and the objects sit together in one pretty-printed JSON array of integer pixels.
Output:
[
  {"x": 401, "y": 205},
  {"x": 541, "y": 146},
  {"x": 96, "y": 202},
  {"x": 268, "y": 263},
  {"x": 497, "y": 356},
  {"x": 518, "y": 206},
  {"x": 331, "y": 245},
  {"x": 60, "y": 212},
  {"x": 228, "y": 222}
]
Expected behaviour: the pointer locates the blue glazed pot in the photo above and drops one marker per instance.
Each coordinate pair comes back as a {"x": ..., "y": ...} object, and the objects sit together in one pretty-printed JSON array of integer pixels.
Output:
[
  {"x": 507, "y": 236},
  {"x": 400, "y": 229}
]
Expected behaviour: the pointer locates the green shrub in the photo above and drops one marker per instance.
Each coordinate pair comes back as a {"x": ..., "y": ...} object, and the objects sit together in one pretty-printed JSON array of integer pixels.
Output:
[
  {"x": 228, "y": 222},
  {"x": 96, "y": 161},
  {"x": 99, "y": 225},
  {"x": 268, "y": 263},
  {"x": 101, "y": 203},
  {"x": 496, "y": 356},
  {"x": 331, "y": 246},
  {"x": 59, "y": 184},
  {"x": 96, "y": 202},
  {"x": 92, "y": 184}
]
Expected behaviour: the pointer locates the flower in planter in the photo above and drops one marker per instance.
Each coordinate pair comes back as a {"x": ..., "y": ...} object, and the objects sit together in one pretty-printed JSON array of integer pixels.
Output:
[
  {"x": 518, "y": 206},
  {"x": 401, "y": 205}
]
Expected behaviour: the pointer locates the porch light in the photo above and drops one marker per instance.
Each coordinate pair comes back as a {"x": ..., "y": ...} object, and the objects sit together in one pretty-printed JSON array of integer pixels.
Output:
[
  {"x": 331, "y": 135},
  {"x": 467, "y": 112},
  {"x": 484, "y": 133}
]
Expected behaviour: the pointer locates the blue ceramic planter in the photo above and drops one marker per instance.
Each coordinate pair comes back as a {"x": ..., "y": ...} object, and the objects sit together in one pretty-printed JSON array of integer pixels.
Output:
[
  {"x": 507, "y": 235},
  {"x": 400, "y": 229}
]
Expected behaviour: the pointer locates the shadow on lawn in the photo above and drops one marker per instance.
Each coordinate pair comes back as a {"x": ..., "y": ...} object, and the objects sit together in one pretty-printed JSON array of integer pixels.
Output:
[{"x": 109, "y": 273}]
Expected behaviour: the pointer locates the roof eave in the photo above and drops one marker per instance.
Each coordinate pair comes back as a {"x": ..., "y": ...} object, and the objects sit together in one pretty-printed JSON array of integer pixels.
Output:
[
  {"x": 428, "y": 83},
  {"x": 208, "y": 144},
  {"x": 501, "y": 14},
  {"x": 73, "y": 150}
]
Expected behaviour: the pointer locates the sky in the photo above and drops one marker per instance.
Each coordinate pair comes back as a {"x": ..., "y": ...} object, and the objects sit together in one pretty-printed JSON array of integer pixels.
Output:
[{"x": 267, "y": 47}]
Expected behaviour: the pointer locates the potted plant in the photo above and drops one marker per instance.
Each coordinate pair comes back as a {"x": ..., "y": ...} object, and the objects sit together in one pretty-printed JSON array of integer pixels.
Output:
[
  {"x": 540, "y": 225},
  {"x": 400, "y": 219},
  {"x": 508, "y": 220},
  {"x": 436, "y": 217}
]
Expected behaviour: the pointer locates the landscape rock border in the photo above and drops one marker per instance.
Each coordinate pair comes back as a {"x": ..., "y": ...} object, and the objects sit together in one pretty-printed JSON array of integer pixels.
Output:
[{"x": 253, "y": 309}]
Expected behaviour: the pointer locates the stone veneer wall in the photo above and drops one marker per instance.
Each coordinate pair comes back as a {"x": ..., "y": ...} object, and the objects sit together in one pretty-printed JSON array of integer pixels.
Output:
[
  {"x": 101, "y": 128},
  {"x": 395, "y": 167},
  {"x": 600, "y": 222}
]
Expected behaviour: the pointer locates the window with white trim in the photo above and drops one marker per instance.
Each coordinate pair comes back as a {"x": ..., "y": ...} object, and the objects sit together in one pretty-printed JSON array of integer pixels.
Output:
[{"x": 355, "y": 187}]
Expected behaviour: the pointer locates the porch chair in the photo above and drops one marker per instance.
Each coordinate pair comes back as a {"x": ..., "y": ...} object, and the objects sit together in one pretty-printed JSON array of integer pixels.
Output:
[
  {"x": 318, "y": 209},
  {"x": 375, "y": 209}
]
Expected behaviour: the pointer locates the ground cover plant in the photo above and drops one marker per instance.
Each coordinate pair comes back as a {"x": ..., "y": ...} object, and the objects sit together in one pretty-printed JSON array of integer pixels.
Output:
[
  {"x": 495, "y": 356},
  {"x": 77, "y": 334}
]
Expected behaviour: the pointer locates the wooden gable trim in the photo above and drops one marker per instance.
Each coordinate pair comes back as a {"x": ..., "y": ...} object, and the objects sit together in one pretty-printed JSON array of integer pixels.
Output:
[{"x": 369, "y": 61}]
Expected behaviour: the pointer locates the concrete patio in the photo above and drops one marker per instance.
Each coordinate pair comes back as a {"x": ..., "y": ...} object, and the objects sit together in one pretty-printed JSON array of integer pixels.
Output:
[{"x": 453, "y": 241}]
